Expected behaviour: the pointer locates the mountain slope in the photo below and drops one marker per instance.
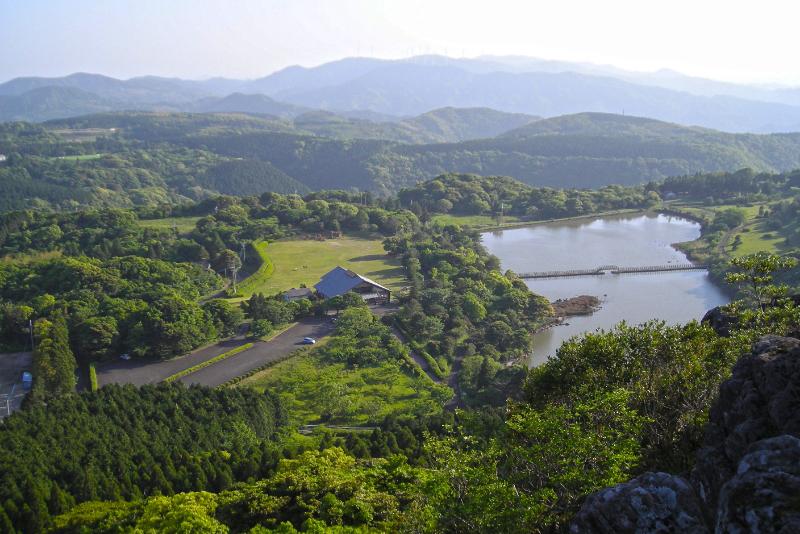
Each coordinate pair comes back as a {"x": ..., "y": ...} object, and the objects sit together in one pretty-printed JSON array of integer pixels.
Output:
[
  {"x": 583, "y": 150},
  {"x": 142, "y": 90},
  {"x": 391, "y": 90},
  {"x": 461, "y": 124},
  {"x": 410, "y": 89},
  {"x": 558, "y": 156},
  {"x": 446, "y": 125},
  {"x": 47, "y": 102},
  {"x": 247, "y": 103},
  {"x": 245, "y": 177}
]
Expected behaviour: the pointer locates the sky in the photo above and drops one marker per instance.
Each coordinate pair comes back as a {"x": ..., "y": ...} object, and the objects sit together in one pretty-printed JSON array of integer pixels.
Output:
[{"x": 733, "y": 40}]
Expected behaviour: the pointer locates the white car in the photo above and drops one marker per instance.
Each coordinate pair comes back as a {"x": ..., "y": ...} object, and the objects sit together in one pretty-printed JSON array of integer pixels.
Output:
[
  {"x": 309, "y": 341},
  {"x": 125, "y": 356}
]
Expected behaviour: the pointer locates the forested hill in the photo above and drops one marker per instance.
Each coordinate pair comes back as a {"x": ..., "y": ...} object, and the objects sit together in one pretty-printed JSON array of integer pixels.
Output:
[
  {"x": 639, "y": 150},
  {"x": 125, "y": 159}
]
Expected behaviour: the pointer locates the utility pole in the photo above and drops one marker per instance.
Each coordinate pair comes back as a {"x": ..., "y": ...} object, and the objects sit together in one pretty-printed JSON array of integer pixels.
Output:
[{"x": 234, "y": 269}]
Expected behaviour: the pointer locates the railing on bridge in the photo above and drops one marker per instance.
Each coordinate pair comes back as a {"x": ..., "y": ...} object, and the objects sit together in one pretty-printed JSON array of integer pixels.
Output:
[{"x": 615, "y": 269}]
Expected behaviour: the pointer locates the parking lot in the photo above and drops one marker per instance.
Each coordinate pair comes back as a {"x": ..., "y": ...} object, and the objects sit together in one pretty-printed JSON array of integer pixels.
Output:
[{"x": 11, "y": 391}]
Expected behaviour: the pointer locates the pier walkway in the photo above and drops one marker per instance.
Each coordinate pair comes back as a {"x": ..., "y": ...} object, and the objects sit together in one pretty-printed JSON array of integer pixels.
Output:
[{"x": 615, "y": 269}]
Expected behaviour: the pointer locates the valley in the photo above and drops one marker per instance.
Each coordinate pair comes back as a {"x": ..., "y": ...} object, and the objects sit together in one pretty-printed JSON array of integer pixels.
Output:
[{"x": 251, "y": 282}]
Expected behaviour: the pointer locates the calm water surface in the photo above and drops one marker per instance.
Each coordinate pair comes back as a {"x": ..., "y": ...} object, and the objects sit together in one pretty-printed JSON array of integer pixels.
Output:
[{"x": 627, "y": 241}]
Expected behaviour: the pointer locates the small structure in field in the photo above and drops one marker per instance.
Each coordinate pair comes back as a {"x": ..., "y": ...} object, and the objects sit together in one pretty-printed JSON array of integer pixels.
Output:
[
  {"x": 340, "y": 281},
  {"x": 297, "y": 294}
]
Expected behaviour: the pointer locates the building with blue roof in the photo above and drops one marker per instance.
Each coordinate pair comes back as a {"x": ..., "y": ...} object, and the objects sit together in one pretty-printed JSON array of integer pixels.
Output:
[{"x": 340, "y": 281}]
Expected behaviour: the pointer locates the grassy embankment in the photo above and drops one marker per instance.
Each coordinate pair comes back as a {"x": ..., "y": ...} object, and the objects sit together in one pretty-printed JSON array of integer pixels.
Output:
[
  {"x": 212, "y": 361},
  {"x": 752, "y": 234}
]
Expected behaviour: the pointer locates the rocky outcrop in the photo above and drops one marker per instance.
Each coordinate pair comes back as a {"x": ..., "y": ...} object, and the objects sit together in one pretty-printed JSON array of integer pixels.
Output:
[
  {"x": 764, "y": 494},
  {"x": 747, "y": 474},
  {"x": 759, "y": 401},
  {"x": 653, "y": 502},
  {"x": 722, "y": 323}
]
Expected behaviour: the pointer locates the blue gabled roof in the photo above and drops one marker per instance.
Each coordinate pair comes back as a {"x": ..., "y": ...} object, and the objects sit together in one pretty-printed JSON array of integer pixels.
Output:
[{"x": 339, "y": 281}]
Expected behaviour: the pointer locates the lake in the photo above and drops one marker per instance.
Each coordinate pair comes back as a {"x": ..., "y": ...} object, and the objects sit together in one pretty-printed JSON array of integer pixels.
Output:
[{"x": 627, "y": 241}]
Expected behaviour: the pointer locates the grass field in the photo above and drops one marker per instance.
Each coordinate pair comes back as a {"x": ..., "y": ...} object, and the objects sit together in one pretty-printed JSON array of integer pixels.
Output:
[
  {"x": 476, "y": 221},
  {"x": 753, "y": 234},
  {"x": 755, "y": 238},
  {"x": 183, "y": 224},
  {"x": 299, "y": 261},
  {"x": 313, "y": 390}
]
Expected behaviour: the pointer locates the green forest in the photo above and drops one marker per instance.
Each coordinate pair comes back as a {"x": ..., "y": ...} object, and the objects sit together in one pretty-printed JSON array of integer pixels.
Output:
[
  {"x": 147, "y": 159},
  {"x": 425, "y": 420}
]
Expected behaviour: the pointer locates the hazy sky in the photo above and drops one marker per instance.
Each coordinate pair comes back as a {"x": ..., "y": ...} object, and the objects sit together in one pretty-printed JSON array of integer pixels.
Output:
[{"x": 724, "y": 39}]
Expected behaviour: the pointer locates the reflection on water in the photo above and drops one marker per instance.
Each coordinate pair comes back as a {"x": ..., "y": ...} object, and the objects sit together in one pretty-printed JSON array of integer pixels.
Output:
[{"x": 627, "y": 241}]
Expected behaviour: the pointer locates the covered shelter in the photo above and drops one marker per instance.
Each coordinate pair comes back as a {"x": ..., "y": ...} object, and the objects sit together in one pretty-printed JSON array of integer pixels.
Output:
[{"x": 339, "y": 281}]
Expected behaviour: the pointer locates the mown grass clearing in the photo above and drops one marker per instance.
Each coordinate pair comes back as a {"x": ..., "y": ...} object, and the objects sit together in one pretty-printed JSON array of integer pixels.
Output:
[
  {"x": 304, "y": 261},
  {"x": 315, "y": 391},
  {"x": 182, "y": 224},
  {"x": 755, "y": 238},
  {"x": 476, "y": 221}
]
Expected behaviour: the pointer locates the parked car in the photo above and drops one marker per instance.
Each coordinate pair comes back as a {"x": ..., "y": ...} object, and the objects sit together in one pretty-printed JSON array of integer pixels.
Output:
[
  {"x": 27, "y": 380},
  {"x": 125, "y": 356},
  {"x": 309, "y": 341}
]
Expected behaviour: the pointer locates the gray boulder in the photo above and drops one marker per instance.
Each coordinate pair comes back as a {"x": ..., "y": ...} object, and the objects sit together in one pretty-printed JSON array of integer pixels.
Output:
[
  {"x": 764, "y": 495},
  {"x": 759, "y": 401},
  {"x": 747, "y": 474},
  {"x": 650, "y": 503}
]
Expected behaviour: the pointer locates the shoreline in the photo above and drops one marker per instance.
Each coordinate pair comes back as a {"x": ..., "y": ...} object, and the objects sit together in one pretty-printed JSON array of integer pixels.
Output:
[{"x": 525, "y": 224}]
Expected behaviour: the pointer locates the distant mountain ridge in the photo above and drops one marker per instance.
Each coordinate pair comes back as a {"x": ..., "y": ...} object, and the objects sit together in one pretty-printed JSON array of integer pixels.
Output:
[
  {"x": 197, "y": 154},
  {"x": 583, "y": 150},
  {"x": 390, "y": 90}
]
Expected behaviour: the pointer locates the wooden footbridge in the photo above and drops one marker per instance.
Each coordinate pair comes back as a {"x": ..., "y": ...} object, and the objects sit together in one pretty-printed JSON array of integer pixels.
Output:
[{"x": 615, "y": 269}]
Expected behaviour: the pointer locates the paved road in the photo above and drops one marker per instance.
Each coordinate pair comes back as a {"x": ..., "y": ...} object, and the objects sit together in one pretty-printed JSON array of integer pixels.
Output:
[
  {"x": 138, "y": 372},
  {"x": 262, "y": 352},
  {"x": 148, "y": 372}
]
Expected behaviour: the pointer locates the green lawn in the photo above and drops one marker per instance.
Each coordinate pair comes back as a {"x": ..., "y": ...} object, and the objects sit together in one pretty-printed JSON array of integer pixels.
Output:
[
  {"x": 183, "y": 224},
  {"x": 298, "y": 261},
  {"x": 311, "y": 388},
  {"x": 474, "y": 220},
  {"x": 756, "y": 239},
  {"x": 753, "y": 233}
]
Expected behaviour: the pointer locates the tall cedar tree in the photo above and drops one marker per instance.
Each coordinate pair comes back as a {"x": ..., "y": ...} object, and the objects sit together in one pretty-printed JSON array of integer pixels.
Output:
[{"x": 53, "y": 362}]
